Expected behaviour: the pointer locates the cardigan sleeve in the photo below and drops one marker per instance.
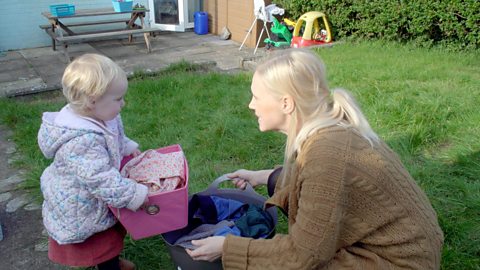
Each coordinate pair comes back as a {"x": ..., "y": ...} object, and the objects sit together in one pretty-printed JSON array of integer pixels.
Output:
[{"x": 313, "y": 227}]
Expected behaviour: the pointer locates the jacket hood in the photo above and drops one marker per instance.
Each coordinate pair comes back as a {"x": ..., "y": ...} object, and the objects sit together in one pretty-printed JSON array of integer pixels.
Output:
[{"x": 57, "y": 128}]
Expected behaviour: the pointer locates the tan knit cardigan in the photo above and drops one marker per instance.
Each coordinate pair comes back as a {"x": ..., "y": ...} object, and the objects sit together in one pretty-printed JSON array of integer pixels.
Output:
[{"x": 350, "y": 206}]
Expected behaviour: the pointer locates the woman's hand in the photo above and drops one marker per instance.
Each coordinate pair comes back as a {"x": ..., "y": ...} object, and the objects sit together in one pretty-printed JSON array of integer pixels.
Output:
[
  {"x": 208, "y": 249},
  {"x": 241, "y": 177}
]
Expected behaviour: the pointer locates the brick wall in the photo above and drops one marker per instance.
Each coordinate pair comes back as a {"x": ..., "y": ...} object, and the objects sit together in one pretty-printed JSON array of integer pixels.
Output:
[{"x": 19, "y": 20}]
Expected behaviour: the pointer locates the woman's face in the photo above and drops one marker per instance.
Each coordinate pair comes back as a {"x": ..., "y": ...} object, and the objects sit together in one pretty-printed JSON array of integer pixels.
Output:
[{"x": 267, "y": 108}]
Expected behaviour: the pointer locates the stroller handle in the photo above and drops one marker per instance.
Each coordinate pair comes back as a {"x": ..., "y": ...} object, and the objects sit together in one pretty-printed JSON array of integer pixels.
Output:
[{"x": 214, "y": 185}]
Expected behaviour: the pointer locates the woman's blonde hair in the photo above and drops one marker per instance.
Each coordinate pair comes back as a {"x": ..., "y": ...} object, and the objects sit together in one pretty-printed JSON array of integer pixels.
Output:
[
  {"x": 301, "y": 74},
  {"x": 88, "y": 76}
]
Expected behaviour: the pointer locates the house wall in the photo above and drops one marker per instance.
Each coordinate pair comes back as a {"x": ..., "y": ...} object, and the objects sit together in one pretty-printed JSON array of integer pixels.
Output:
[
  {"x": 237, "y": 16},
  {"x": 20, "y": 20}
]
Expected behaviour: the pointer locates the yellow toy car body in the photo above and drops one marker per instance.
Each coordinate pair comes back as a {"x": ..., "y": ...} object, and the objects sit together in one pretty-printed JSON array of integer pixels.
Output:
[{"x": 312, "y": 28}]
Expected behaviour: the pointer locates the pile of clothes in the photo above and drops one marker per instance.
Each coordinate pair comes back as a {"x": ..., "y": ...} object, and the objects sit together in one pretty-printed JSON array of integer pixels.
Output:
[
  {"x": 160, "y": 172},
  {"x": 217, "y": 216}
]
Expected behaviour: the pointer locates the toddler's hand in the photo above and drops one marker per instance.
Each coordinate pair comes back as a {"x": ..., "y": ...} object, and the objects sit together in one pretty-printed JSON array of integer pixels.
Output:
[
  {"x": 136, "y": 152},
  {"x": 145, "y": 202}
]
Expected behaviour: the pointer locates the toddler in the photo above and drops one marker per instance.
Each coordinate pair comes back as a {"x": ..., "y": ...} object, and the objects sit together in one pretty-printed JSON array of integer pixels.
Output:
[{"x": 87, "y": 143}]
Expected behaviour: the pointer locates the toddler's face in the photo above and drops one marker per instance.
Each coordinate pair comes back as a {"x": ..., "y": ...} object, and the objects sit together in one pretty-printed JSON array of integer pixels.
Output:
[{"x": 109, "y": 105}]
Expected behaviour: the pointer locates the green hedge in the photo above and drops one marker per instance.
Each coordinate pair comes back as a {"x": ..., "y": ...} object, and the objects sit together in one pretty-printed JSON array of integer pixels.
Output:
[{"x": 451, "y": 23}]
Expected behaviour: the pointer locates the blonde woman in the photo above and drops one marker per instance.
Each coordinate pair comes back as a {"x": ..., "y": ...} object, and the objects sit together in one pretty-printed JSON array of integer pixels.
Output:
[
  {"x": 87, "y": 142},
  {"x": 350, "y": 202}
]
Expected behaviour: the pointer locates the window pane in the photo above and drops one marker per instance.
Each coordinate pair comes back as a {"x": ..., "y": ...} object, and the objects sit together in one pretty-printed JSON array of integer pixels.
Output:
[
  {"x": 194, "y": 6},
  {"x": 166, "y": 11}
]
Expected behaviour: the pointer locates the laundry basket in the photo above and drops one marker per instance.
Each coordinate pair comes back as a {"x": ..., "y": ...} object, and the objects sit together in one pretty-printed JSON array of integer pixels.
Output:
[{"x": 181, "y": 259}]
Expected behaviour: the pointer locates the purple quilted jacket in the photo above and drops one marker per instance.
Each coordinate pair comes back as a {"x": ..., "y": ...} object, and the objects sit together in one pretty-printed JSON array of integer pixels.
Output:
[{"x": 84, "y": 176}]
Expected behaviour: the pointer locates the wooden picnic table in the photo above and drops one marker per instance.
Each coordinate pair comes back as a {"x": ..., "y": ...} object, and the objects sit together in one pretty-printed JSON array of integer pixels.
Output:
[{"x": 58, "y": 25}]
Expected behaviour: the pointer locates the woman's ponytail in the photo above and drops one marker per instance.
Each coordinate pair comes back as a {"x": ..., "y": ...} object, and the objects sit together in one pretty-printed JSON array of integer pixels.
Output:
[{"x": 346, "y": 108}]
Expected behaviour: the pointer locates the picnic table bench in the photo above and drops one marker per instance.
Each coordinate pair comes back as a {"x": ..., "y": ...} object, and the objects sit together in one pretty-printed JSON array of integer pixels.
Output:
[{"x": 57, "y": 26}]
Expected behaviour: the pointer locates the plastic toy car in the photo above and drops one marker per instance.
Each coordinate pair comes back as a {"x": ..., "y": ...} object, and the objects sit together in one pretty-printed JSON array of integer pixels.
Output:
[{"x": 312, "y": 28}]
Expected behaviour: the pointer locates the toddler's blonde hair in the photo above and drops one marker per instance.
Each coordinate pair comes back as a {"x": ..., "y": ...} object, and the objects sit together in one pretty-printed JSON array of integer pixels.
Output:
[
  {"x": 301, "y": 74},
  {"x": 88, "y": 77}
]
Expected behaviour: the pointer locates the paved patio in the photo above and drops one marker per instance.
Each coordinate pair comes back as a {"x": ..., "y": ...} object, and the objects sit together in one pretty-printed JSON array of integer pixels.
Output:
[{"x": 40, "y": 69}]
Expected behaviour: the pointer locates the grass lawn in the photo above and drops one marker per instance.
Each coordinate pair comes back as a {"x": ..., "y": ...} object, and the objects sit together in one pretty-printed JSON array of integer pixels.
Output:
[{"x": 423, "y": 103}]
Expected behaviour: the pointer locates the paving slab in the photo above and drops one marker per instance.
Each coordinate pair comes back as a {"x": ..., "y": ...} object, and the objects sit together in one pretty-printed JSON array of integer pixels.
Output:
[
  {"x": 37, "y": 52},
  {"x": 20, "y": 86},
  {"x": 120, "y": 52},
  {"x": 16, "y": 69},
  {"x": 40, "y": 69},
  {"x": 17, "y": 202},
  {"x": 10, "y": 55},
  {"x": 5, "y": 196}
]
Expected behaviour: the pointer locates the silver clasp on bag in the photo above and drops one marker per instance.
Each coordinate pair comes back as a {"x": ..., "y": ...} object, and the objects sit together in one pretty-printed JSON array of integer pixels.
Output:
[{"x": 152, "y": 209}]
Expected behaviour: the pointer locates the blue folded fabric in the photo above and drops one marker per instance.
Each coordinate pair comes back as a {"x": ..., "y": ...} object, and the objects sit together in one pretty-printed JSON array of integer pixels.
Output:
[
  {"x": 228, "y": 209},
  {"x": 226, "y": 230},
  {"x": 212, "y": 209}
]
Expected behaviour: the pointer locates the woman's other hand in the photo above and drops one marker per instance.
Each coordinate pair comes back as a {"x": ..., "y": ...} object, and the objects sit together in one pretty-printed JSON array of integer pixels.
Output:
[
  {"x": 241, "y": 177},
  {"x": 208, "y": 249}
]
